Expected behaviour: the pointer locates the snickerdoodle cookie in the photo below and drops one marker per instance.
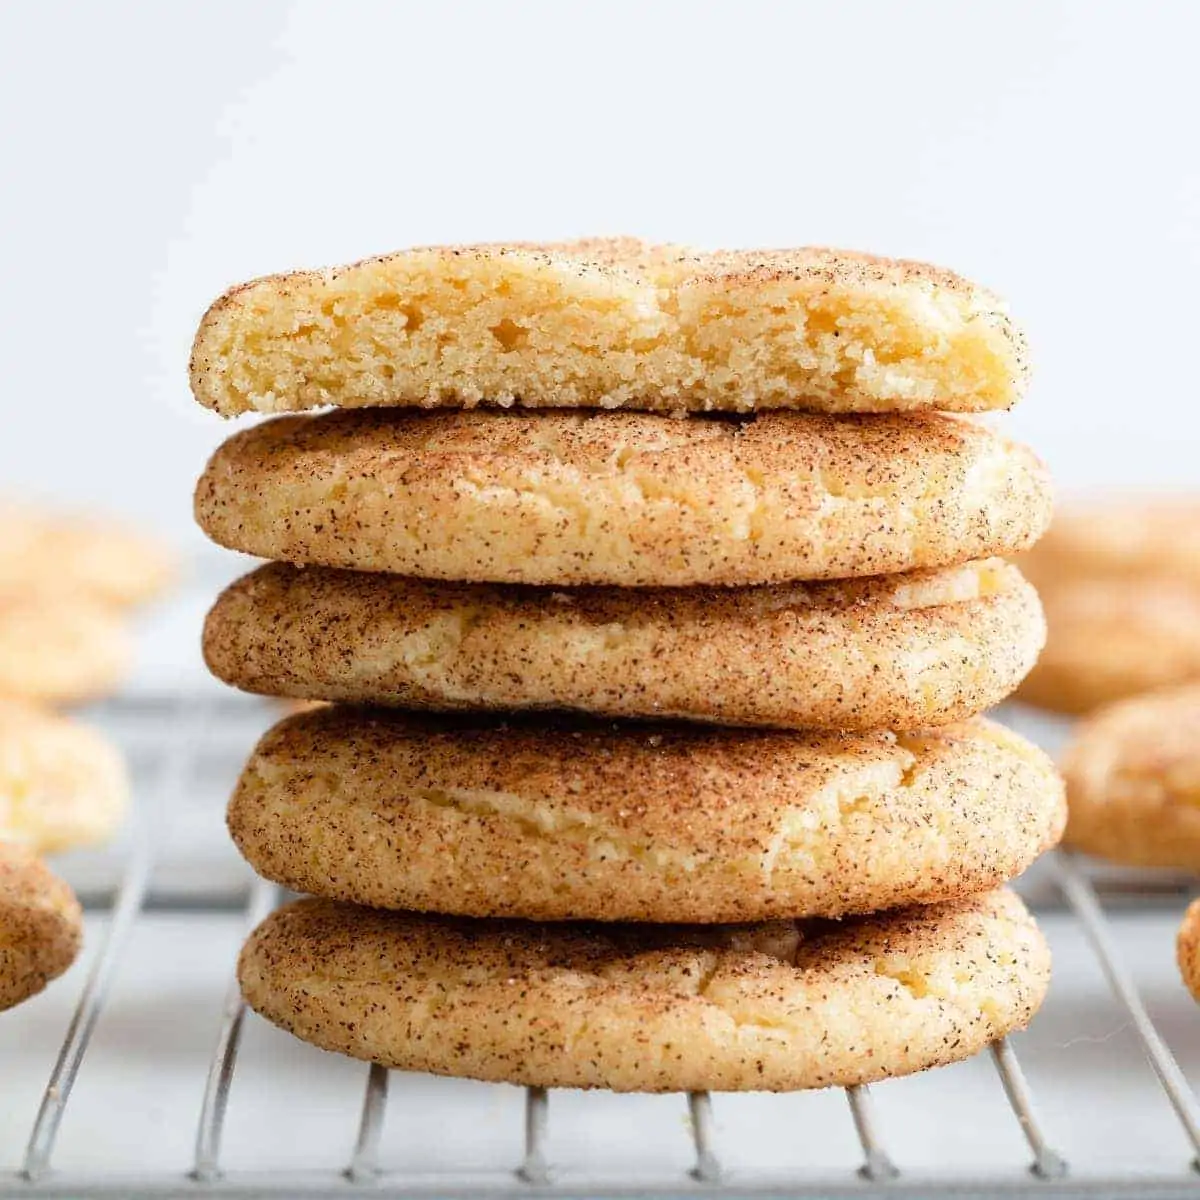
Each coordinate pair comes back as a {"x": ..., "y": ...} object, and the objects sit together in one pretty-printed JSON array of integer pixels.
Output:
[
  {"x": 1133, "y": 780},
  {"x": 52, "y": 552},
  {"x": 559, "y": 819},
  {"x": 611, "y": 323},
  {"x": 627, "y": 499},
  {"x": 1188, "y": 949},
  {"x": 1120, "y": 581},
  {"x": 897, "y": 652},
  {"x": 60, "y": 647},
  {"x": 1111, "y": 638},
  {"x": 1120, "y": 537},
  {"x": 61, "y": 783},
  {"x": 771, "y": 1007},
  {"x": 41, "y": 926}
]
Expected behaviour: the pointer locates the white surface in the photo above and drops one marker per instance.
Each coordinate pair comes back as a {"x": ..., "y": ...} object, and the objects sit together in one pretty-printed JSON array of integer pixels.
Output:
[{"x": 155, "y": 153}]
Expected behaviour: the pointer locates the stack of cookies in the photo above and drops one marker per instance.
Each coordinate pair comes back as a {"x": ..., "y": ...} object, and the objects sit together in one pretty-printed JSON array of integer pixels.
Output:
[{"x": 655, "y": 599}]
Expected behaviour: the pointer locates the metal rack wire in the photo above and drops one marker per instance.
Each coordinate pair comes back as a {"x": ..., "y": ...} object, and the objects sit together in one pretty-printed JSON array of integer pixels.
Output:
[{"x": 533, "y": 1170}]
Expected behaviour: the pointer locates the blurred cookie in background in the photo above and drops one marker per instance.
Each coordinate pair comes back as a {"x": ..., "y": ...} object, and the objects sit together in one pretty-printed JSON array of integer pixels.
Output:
[
  {"x": 60, "y": 647},
  {"x": 41, "y": 926},
  {"x": 1132, "y": 773},
  {"x": 1119, "y": 581},
  {"x": 50, "y": 551},
  {"x": 1120, "y": 537},
  {"x": 62, "y": 784},
  {"x": 1188, "y": 949},
  {"x": 1108, "y": 639}
]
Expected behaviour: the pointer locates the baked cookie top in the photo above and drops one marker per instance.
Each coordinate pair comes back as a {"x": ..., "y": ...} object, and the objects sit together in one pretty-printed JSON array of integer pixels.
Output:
[
  {"x": 776, "y": 1007},
  {"x": 625, "y": 499},
  {"x": 611, "y": 323},
  {"x": 559, "y": 818},
  {"x": 898, "y": 651},
  {"x": 41, "y": 925}
]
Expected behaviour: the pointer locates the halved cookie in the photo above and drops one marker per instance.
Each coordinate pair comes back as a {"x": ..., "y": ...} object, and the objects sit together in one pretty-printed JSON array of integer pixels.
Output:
[
  {"x": 627, "y": 499},
  {"x": 61, "y": 783},
  {"x": 1133, "y": 781},
  {"x": 569, "y": 819},
  {"x": 611, "y": 323},
  {"x": 899, "y": 652},
  {"x": 41, "y": 926},
  {"x": 774, "y": 1007}
]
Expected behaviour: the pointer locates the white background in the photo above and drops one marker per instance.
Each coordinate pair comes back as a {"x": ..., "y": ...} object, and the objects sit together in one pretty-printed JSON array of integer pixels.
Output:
[{"x": 155, "y": 152}]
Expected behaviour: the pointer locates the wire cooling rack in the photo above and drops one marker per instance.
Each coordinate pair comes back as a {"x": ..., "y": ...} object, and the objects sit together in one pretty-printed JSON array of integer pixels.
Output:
[{"x": 979, "y": 1138}]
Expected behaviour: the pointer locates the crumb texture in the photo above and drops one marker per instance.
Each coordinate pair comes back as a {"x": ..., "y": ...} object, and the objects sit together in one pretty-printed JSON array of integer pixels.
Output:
[
  {"x": 611, "y": 323},
  {"x": 41, "y": 926},
  {"x": 770, "y": 1007},
  {"x": 62, "y": 784},
  {"x": 623, "y": 499},
  {"x": 558, "y": 818},
  {"x": 1133, "y": 781}
]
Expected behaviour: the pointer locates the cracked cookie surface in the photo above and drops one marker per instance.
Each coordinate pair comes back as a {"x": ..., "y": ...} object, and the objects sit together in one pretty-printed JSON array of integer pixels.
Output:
[
  {"x": 773, "y": 1007},
  {"x": 897, "y": 652},
  {"x": 568, "y": 818},
  {"x": 624, "y": 499},
  {"x": 41, "y": 925}
]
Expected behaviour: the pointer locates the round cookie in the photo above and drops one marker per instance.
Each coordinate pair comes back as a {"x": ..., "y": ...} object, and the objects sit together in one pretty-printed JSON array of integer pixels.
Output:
[
  {"x": 579, "y": 820},
  {"x": 611, "y": 322},
  {"x": 899, "y": 652},
  {"x": 1188, "y": 949},
  {"x": 48, "y": 552},
  {"x": 1120, "y": 581},
  {"x": 1109, "y": 638},
  {"x": 61, "y": 783},
  {"x": 623, "y": 499},
  {"x": 774, "y": 1007},
  {"x": 60, "y": 648},
  {"x": 1132, "y": 772},
  {"x": 41, "y": 926},
  {"x": 1126, "y": 537}
]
